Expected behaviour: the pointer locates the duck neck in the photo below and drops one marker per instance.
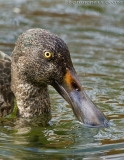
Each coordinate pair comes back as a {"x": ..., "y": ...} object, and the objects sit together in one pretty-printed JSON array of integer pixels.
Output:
[{"x": 32, "y": 99}]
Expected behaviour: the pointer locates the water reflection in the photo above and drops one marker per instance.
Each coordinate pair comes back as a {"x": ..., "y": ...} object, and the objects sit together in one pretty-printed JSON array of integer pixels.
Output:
[{"x": 94, "y": 34}]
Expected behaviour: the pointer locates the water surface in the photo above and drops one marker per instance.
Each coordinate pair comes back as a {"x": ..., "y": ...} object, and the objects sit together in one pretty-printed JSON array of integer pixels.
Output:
[{"x": 95, "y": 37}]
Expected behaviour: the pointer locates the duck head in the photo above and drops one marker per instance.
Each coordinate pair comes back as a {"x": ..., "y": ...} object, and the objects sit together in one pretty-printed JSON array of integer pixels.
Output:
[{"x": 43, "y": 58}]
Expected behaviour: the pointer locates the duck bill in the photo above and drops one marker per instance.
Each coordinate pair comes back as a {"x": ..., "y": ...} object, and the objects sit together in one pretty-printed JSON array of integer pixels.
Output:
[{"x": 84, "y": 109}]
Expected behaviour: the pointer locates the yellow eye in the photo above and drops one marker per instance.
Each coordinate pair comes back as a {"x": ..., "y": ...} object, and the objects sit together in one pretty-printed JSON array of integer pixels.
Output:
[{"x": 47, "y": 54}]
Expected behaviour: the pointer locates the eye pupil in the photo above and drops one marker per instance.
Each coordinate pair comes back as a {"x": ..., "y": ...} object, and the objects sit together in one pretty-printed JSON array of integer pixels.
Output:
[{"x": 47, "y": 54}]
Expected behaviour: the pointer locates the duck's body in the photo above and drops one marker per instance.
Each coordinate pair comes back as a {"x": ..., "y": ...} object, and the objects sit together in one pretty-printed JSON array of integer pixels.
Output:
[
  {"x": 6, "y": 95},
  {"x": 39, "y": 59}
]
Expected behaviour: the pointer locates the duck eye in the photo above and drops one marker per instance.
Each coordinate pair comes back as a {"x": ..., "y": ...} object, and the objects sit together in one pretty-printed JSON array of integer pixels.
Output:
[{"x": 47, "y": 54}]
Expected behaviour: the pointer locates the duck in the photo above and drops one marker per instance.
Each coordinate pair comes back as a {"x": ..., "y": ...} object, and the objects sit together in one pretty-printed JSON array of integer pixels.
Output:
[{"x": 39, "y": 59}]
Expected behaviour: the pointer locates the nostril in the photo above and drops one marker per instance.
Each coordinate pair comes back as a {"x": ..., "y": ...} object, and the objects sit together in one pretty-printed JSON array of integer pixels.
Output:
[{"x": 75, "y": 86}]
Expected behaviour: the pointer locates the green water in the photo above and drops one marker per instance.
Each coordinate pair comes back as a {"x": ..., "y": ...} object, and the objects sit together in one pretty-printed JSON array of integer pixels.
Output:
[{"x": 94, "y": 34}]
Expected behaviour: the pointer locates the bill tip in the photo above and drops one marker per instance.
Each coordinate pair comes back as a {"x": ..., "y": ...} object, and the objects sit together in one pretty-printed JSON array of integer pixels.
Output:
[{"x": 104, "y": 125}]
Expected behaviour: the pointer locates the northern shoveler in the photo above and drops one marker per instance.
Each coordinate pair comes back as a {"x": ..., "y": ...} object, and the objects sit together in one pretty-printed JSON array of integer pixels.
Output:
[{"x": 40, "y": 58}]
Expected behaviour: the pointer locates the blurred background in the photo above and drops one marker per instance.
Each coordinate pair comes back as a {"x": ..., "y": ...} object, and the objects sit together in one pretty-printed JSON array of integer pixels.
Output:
[{"x": 94, "y": 33}]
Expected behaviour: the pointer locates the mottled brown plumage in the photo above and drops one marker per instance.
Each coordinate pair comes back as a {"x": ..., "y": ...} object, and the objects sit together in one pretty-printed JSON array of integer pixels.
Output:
[
  {"x": 39, "y": 59},
  {"x": 6, "y": 95},
  {"x": 32, "y": 72}
]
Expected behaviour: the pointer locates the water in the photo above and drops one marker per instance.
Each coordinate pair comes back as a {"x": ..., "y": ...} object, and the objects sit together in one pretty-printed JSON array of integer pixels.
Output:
[{"x": 94, "y": 34}]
